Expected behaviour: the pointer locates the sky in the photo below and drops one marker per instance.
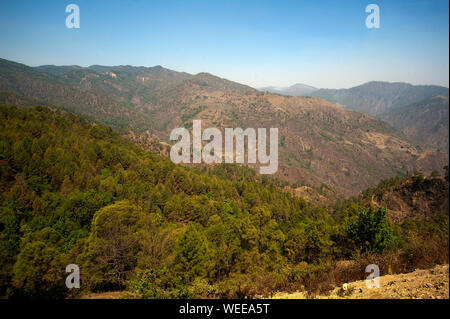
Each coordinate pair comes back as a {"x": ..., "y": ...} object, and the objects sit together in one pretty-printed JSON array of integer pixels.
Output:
[{"x": 323, "y": 43}]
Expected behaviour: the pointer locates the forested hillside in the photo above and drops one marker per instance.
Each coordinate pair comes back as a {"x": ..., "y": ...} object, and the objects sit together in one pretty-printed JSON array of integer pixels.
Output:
[
  {"x": 76, "y": 192},
  {"x": 18, "y": 81},
  {"x": 335, "y": 151}
]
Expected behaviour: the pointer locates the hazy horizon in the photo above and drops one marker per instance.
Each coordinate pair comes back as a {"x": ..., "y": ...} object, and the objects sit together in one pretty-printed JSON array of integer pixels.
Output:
[
  {"x": 256, "y": 87},
  {"x": 324, "y": 44}
]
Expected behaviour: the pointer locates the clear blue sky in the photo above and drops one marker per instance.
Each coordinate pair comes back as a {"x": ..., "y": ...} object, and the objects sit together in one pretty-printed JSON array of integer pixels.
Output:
[{"x": 320, "y": 43}]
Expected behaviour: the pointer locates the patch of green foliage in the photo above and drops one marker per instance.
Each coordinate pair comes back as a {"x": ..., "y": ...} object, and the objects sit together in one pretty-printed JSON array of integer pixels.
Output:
[{"x": 74, "y": 192}]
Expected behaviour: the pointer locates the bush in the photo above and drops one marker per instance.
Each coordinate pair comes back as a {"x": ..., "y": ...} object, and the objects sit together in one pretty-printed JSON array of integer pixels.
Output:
[{"x": 157, "y": 284}]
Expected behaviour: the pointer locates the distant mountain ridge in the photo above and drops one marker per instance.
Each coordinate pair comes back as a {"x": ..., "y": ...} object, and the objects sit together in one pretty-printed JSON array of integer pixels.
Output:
[
  {"x": 375, "y": 98},
  {"x": 322, "y": 145},
  {"x": 298, "y": 89},
  {"x": 419, "y": 111},
  {"x": 166, "y": 78},
  {"x": 28, "y": 83},
  {"x": 426, "y": 122},
  {"x": 414, "y": 110}
]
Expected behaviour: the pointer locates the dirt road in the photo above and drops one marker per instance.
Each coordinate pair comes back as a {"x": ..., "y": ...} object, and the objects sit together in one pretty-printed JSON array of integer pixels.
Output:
[{"x": 420, "y": 284}]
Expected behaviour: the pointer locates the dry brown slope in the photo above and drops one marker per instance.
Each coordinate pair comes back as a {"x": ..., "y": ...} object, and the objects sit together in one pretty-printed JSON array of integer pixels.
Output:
[
  {"x": 420, "y": 284},
  {"x": 320, "y": 142},
  {"x": 425, "y": 122},
  {"x": 415, "y": 196}
]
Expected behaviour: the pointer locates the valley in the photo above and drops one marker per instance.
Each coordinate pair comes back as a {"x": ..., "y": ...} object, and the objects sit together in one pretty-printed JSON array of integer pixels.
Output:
[
  {"x": 197, "y": 152},
  {"x": 336, "y": 152},
  {"x": 86, "y": 179}
]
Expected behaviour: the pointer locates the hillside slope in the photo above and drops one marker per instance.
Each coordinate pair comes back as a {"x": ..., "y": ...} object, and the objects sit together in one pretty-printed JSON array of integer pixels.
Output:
[
  {"x": 425, "y": 122},
  {"x": 336, "y": 151},
  {"x": 18, "y": 80},
  {"x": 59, "y": 174},
  {"x": 295, "y": 90},
  {"x": 414, "y": 196},
  {"x": 375, "y": 98},
  {"x": 320, "y": 143},
  {"x": 420, "y": 284},
  {"x": 73, "y": 192},
  {"x": 419, "y": 111}
]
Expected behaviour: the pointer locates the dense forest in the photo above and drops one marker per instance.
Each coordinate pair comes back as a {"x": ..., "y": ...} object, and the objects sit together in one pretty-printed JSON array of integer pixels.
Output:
[{"x": 73, "y": 192}]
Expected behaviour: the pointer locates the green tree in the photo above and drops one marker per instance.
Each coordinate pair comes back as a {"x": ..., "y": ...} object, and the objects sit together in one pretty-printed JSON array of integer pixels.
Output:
[
  {"x": 193, "y": 254},
  {"x": 39, "y": 271},
  {"x": 113, "y": 244},
  {"x": 371, "y": 231},
  {"x": 317, "y": 244}
]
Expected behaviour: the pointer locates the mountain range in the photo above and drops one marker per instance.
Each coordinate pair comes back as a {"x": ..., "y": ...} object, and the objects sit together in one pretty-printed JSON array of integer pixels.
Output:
[
  {"x": 298, "y": 89},
  {"x": 425, "y": 122},
  {"x": 419, "y": 111},
  {"x": 376, "y": 98},
  {"x": 322, "y": 146}
]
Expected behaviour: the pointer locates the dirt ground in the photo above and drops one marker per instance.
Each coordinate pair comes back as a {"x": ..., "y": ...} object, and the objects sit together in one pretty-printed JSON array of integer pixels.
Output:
[
  {"x": 104, "y": 295},
  {"x": 420, "y": 284}
]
